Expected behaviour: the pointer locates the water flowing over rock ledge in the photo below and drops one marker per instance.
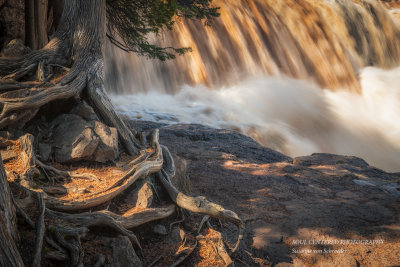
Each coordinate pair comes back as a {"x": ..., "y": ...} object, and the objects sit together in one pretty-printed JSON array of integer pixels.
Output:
[{"x": 321, "y": 199}]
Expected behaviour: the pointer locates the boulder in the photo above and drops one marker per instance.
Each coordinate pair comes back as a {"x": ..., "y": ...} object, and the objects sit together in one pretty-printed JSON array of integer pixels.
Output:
[
  {"x": 74, "y": 139},
  {"x": 44, "y": 151},
  {"x": 107, "y": 150},
  {"x": 123, "y": 253},
  {"x": 77, "y": 139},
  {"x": 85, "y": 111}
]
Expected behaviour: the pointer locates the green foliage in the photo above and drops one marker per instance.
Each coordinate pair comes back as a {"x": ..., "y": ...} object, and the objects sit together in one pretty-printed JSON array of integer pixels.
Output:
[{"x": 129, "y": 23}]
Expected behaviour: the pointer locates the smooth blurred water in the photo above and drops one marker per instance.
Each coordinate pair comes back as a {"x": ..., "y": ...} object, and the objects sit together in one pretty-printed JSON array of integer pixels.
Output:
[
  {"x": 290, "y": 116},
  {"x": 291, "y": 74}
]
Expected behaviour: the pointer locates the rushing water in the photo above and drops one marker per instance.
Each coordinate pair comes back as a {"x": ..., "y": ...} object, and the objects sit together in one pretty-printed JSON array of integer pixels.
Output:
[{"x": 291, "y": 74}]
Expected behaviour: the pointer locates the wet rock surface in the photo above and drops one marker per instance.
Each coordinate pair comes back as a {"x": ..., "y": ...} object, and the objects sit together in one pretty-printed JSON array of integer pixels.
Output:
[{"x": 317, "y": 210}]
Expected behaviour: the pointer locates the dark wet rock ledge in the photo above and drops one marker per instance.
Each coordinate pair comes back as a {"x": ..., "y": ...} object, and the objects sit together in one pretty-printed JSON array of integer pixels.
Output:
[{"x": 317, "y": 210}]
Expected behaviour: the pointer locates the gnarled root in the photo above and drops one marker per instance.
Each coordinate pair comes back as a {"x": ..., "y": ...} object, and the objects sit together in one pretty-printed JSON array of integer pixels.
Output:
[
  {"x": 139, "y": 171},
  {"x": 201, "y": 205},
  {"x": 119, "y": 223},
  {"x": 158, "y": 162}
]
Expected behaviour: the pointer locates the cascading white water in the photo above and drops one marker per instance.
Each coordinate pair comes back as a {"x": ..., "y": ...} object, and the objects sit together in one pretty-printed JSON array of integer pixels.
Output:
[
  {"x": 290, "y": 116},
  {"x": 360, "y": 117}
]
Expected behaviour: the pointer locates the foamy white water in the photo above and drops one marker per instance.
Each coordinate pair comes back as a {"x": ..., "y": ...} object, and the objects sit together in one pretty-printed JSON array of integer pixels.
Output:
[{"x": 290, "y": 116}]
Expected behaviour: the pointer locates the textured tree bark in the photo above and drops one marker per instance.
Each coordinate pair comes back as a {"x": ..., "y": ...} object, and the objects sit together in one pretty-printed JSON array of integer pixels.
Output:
[
  {"x": 7, "y": 209},
  {"x": 9, "y": 255},
  {"x": 41, "y": 7},
  {"x": 79, "y": 37},
  {"x": 30, "y": 33},
  {"x": 36, "y": 23}
]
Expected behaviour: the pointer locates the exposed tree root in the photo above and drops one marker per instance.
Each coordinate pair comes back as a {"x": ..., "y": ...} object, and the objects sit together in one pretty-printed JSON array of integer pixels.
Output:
[
  {"x": 138, "y": 171},
  {"x": 184, "y": 254},
  {"x": 40, "y": 230},
  {"x": 12, "y": 85},
  {"x": 203, "y": 221},
  {"x": 56, "y": 255},
  {"x": 156, "y": 260},
  {"x": 26, "y": 218},
  {"x": 159, "y": 162},
  {"x": 141, "y": 167},
  {"x": 29, "y": 160},
  {"x": 53, "y": 244},
  {"x": 201, "y": 205},
  {"x": 220, "y": 249},
  {"x": 176, "y": 222},
  {"x": 85, "y": 220},
  {"x": 131, "y": 220},
  {"x": 104, "y": 109},
  {"x": 32, "y": 99},
  {"x": 74, "y": 250}
]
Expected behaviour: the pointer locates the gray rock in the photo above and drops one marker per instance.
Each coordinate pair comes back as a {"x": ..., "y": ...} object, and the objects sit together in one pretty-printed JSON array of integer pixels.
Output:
[
  {"x": 77, "y": 139},
  {"x": 123, "y": 253},
  {"x": 160, "y": 229},
  {"x": 107, "y": 149},
  {"x": 176, "y": 236},
  {"x": 85, "y": 111},
  {"x": 74, "y": 139},
  {"x": 44, "y": 151}
]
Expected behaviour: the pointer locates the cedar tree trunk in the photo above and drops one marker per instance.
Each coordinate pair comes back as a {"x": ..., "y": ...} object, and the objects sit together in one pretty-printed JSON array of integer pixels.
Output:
[{"x": 78, "y": 42}]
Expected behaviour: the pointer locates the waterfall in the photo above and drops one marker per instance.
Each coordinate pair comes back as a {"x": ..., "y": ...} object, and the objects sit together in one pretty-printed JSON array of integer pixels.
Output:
[
  {"x": 326, "y": 42},
  {"x": 299, "y": 76}
]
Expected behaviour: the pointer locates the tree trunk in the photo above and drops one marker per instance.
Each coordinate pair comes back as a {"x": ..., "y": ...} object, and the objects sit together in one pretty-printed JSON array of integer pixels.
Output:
[
  {"x": 30, "y": 33},
  {"x": 9, "y": 255},
  {"x": 36, "y": 23},
  {"x": 80, "y": 37}
]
